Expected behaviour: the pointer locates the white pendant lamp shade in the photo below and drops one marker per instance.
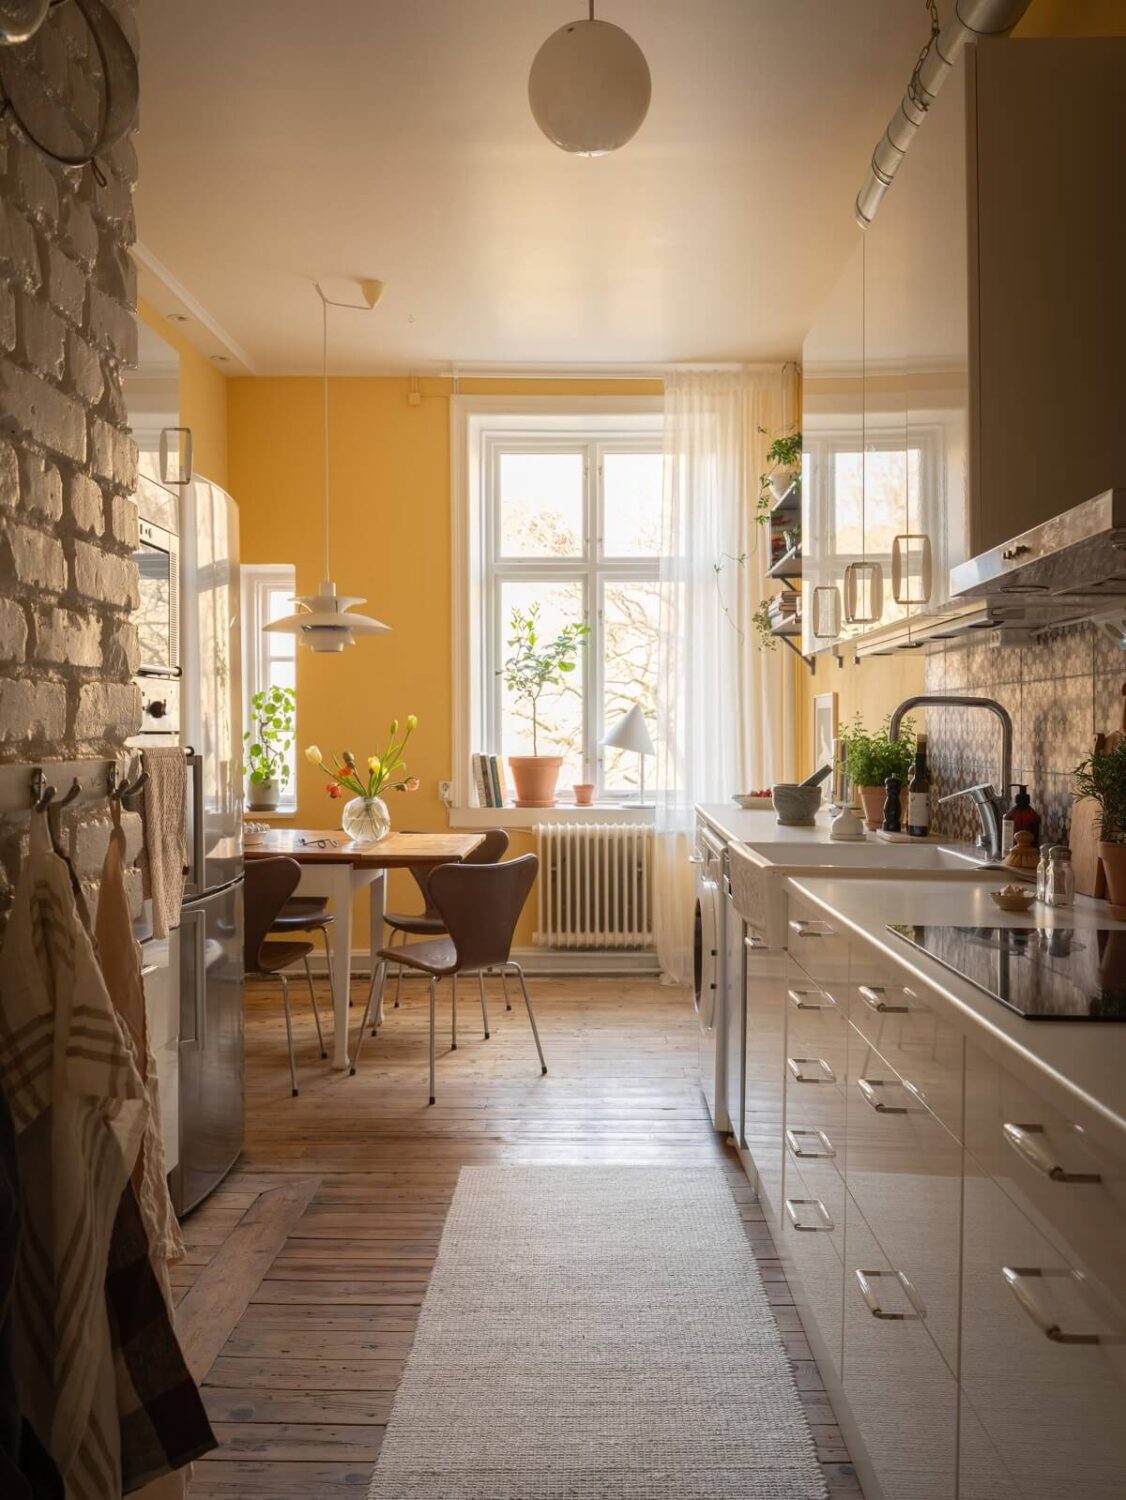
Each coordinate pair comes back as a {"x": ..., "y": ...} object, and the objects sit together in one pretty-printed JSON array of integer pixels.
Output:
[
  {"x": 324, "y": 621},
  {"x": 589, "y": 87}
]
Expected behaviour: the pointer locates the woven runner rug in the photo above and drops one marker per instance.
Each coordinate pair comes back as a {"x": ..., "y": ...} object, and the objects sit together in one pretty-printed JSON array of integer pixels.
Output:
[{"x": 596, "y": 1333}]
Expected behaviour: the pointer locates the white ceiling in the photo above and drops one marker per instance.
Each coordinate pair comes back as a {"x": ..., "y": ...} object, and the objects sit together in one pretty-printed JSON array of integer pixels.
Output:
[{"x": 283, "y": 140}]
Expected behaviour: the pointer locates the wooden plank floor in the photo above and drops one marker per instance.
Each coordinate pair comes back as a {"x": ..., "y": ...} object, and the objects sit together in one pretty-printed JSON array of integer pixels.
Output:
[{"x": 305, "y": 1271}]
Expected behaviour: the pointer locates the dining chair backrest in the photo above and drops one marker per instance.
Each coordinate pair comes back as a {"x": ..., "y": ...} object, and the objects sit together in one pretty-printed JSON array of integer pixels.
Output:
[
  {"x": 269, "y": 885},
  {"x": 480, "y": 905},
  {"x": 489, "y": 851}
]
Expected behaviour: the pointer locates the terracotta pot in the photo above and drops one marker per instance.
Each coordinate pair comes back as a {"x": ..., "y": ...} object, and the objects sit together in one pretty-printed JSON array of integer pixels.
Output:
[
  {"x": 584, "y": 793},
  {"x": 1113, "y": 857},
  {"x": 535, "y": 777},
  {"x": 873, "y": 799}
]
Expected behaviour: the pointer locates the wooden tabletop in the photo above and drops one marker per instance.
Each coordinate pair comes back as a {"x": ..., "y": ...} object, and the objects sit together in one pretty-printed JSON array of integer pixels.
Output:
[{"x": 391, "y": 852}]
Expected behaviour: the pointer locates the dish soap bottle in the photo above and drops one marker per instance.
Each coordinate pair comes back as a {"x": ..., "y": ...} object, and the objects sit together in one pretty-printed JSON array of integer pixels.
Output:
[
  {"x": 1022, "y": 817},
  {"x": 919, "y": 793}
]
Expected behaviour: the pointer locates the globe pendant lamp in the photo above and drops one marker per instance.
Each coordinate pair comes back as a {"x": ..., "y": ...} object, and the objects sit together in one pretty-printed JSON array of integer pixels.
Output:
[
  {"x": 324, "y": 620},
  {"x": 589, "y": 87}
]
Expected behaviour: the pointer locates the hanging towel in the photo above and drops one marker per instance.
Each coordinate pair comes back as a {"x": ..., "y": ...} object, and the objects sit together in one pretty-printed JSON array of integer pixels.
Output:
[
  {"x": 165, "y": 854},
  {"x": 78, "y": 1103}
]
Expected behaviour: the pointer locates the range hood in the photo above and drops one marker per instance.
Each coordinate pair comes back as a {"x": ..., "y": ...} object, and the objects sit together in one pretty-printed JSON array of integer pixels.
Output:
[{"x": 1072, "y": 567}]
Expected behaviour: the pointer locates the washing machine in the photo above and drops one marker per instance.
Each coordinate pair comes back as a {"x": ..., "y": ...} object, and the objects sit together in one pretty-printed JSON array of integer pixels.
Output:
[{"x": 709, "y": 966}]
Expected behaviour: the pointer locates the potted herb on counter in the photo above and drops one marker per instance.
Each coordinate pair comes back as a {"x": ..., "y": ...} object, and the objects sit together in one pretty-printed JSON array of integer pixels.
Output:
[
  {"x": 1102, "y": 776},
  {"x": 872, "y": 757},
  {"x": 533, "y": 665},
  {"x": 273, "y": 713}
]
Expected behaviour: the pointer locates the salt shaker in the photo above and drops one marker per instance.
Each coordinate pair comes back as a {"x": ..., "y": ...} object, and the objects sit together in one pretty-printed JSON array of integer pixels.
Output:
[
  {"x": 1061, "y": 877},
  {"x": 1042, "y": 874}
]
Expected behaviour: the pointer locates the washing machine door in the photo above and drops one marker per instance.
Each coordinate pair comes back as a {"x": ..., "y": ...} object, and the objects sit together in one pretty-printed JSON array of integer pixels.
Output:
[{"x": 705, "y": 952}]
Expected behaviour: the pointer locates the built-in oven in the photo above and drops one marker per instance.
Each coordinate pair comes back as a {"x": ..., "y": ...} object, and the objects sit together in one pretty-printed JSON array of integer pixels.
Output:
[{"x": 157, "y": 618}]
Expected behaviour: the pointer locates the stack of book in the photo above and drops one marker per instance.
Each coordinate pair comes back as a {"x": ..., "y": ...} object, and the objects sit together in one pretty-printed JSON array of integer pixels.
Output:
[
  {"x": 785, "y": 608},
  {"x": 489, "y": 780}
]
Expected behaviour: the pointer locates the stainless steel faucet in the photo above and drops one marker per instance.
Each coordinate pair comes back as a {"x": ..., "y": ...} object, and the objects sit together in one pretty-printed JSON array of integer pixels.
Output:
[{"x": 990, "y": 802}]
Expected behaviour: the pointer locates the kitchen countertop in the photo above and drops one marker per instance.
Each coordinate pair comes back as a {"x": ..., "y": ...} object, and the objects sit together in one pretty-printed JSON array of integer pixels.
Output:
[{"x": 1084, "y": 1062}]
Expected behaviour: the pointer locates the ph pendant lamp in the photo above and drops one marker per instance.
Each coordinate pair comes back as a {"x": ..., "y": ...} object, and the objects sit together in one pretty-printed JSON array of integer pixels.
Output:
[{"x": 324, "y": 620}]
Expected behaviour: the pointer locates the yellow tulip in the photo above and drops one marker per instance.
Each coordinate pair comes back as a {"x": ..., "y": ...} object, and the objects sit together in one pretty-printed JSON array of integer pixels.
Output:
[
  {"x": 412, "y": 722},
  {"x": 313, "y": 755},
  {"x": 394, "y": 728},
  {"x": 373, "y": 764}
]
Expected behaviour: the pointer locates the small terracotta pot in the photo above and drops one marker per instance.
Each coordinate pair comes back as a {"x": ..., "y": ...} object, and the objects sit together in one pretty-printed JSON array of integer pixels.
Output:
[
  {"x": 1113, "y": 857},
  {"x": 873, "y": 799},
  {"x": 535, "y": 777},
  {"x": 584, "y": 793}
]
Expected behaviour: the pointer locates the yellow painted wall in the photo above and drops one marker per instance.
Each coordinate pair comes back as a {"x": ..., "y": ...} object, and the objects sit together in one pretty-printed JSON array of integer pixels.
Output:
[
  {"x": 203, "y": 398},
  {"x": 390, "y": 542},
  {"x": 1073, "y": 18}
]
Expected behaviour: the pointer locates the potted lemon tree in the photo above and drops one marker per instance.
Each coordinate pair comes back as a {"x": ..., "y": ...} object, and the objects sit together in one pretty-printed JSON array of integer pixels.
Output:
[
  {"x": 273, "y": 714},
  {"x": 533, "y": 665}
]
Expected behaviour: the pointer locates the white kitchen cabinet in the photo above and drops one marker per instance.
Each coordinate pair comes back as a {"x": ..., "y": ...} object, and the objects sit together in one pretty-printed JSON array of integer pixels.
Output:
[{"x": 764, "y": 1062}]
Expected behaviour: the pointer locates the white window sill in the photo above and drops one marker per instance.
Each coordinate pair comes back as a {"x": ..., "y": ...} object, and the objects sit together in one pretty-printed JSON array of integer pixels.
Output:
[
  {"x": 564, "y": 812},
  {"x": 261, "y": 815}
]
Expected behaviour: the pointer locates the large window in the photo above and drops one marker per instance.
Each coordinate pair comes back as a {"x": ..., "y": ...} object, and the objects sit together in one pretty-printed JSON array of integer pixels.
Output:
[
  {"x": 564, "y": 519},
  {"x": 269, "y": 660}
]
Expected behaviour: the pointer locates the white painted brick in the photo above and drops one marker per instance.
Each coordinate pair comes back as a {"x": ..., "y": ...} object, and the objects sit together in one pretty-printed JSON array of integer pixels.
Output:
[
  {"x": 79, "y": 232},
  {"x": 33, "y": 183},
  {"x": 28, "y": 405},
  {"x": 9, "y": 475},
  {"x": 122, "y": 650},
  {"x": 18, "y": 246},
  {"x": 42, "y": 487},
  {"x": 7, "y": 317},
  {"x": 68, "y": 637},
  {"x": 133, "y": 829},
  {"x": 84, "y": 368},
  {"x": 32, "y": 711},
  {"x": 107, "y": 711},
  {"x": 65, "y": 281},
  {"x": 40, "y": 336},
  {"x": 33, "y": 558},
  {"x": 87, "y": 503},
  {"x": 111, "y": 326},
  {"x": 13, "y": 631},
  {"x": 113, "y": 454},
  {"x": 88, "y": 840},
  {"x": 124, "y": 520},
  {"x": 134, "y": 891},
  {"x": 104, "y": 577}
]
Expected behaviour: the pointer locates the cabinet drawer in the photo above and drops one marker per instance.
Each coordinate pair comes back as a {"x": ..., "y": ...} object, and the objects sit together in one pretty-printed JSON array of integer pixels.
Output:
[
  {"x": 812, "y": 1249},
  {"x": 899, "y": 1389},
  {"x": 904, "y": 1171},
  {"x": 1047, "y": 1410},
  {"x": 1068, "y": 1184},
  {"x": 817, "y": 944}
]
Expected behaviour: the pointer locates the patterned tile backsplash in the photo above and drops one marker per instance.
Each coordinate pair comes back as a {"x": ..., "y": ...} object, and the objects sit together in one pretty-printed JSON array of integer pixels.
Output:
[{"x": 1060, "y": 693}]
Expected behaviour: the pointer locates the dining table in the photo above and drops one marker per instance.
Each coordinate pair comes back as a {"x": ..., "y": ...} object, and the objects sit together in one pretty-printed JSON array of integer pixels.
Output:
[{"x": 335, "y": 866}]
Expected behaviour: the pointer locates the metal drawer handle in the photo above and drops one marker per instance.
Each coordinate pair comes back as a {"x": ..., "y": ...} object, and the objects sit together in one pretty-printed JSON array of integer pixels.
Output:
[
  {"x": 802, "y": 1001},
  {"x": 1022, "y": 1138},
  {"x": 804, "y": 927},
  {"x": 868, "y": 1292},
  {"x": 795, "y": 1065},
  {"x": 869, "y": 1088},
  {"x": 795, "y": 1138},
  {"x": 1016, "y": 1278},
  {"x": 755, "y": 943},
  {"x": 873, "y": 997},
  {"x": 793, "y": 1205},
  {"x": 695, "y": 859}
]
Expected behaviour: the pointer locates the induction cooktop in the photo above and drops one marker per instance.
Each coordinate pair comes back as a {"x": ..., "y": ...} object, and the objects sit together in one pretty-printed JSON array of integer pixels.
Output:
[{"x": 1042, "y": 973}]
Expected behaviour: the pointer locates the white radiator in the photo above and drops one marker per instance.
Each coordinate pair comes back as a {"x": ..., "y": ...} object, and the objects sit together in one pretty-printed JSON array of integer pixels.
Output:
[{"x": 595, "y": 885}]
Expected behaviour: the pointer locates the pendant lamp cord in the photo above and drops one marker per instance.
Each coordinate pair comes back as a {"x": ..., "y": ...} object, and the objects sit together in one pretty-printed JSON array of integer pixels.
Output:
[
  {"x": 324, "y": 355},
  {"x": 592, "y": 10}
]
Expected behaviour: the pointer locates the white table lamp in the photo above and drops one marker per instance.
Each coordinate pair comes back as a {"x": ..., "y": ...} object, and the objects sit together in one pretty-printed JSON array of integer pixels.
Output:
[{"x": 632, "y": 733}]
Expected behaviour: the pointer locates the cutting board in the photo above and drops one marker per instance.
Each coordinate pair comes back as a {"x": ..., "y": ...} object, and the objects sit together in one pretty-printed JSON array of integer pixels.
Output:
[{"x": 1090, "y": 879}]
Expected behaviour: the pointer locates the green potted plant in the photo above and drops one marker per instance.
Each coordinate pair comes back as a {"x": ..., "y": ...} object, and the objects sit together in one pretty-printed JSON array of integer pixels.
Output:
[
  {"x": 534, "y": 664},
  {"x": 783, "y": 473},
  {"x": 273, "y": 714},
  {"x": 871, "y": 758},
  {"x": 1103, "y": 777}
]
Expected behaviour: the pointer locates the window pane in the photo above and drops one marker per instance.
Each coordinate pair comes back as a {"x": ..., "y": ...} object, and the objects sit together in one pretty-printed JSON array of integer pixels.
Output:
[
  {"x": 630, "y": 620},
  {"x": 559, "y": 711},
  {"x": 283, "y": 674},
  {"x": 631, "y": 504},
  {"x": 868, "y": 519},
  {"x": 541, "y": 504}
]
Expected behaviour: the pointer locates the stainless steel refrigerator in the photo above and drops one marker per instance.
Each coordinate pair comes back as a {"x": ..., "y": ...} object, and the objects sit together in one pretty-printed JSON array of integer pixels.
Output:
[{"x": 211, "y": 926}]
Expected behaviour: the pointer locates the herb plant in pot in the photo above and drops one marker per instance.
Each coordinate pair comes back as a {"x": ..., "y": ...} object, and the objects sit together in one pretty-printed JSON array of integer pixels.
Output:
[
  {"x": 533, "y": 665},
  {"x": 872, "y": 758},
  {"x": 1103, "y": 777},
  {"x": 273, "y": 713}
]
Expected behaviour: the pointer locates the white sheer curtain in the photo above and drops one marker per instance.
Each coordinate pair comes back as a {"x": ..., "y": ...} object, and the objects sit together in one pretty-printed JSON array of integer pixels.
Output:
[{"x": 725, "y": 706}]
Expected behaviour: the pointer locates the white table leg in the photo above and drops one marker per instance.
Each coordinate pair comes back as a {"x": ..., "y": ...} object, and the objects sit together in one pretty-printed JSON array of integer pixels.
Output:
[
  {"x": 378, "y": 898},
  {"x": 335, "y": 882}
]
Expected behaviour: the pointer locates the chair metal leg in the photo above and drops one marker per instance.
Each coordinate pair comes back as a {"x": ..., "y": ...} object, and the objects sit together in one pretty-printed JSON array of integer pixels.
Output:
[
  {"x": 377, "y": 1019},
  {"x": 289, "y": 1034},
  {"x": 453, "y": 1014},
  {"x": 504, "y": 987},
  {"x": 363, "y": 1027},
  {"x": 484, "y": 1001},
  {"x": 375, "y": 992},
  {"x": 433, "y": 1001},
  {"x": 399, "y": 975},
  {"x": 313, "y": 1000},
  {"x": 531, "y": 1012}
]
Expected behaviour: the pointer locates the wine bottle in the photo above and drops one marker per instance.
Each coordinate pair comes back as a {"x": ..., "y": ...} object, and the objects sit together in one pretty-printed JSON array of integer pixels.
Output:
[{"x": 919, "y": 793}]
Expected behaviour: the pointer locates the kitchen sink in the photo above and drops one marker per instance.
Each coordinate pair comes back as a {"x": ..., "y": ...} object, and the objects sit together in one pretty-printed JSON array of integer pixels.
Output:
[{"x": 873, "y": 858}]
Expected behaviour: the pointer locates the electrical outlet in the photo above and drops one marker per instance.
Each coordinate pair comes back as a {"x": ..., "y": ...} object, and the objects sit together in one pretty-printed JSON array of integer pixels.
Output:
[{"x": 446, "y": 792}]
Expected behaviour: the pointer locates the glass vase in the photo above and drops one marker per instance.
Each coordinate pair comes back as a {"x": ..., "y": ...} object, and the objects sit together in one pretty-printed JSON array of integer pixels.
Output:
[{"x": 366, "y": 820}]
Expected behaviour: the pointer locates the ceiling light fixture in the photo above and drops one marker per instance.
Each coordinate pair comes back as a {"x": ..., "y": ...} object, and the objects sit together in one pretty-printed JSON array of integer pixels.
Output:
[
  {"x": 589, "y": 87},
  {"x": 323, "y": 621}
]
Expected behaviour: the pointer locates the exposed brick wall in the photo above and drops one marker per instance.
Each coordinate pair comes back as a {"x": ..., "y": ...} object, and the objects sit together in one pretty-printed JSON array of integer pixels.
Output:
[{"x": 68, "y": 464}]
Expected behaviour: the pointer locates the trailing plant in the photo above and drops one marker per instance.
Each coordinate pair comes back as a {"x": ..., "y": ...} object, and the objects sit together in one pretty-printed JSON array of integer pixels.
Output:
[
  {"x": 534, "y": 664},
  {"x": 1103, "y": 777},
  {"x": 764, "y": 626},
  {"x": 274, "y": 714},
  {"x": 783, "y": 453},
  {"x": 872, "y": 757}
]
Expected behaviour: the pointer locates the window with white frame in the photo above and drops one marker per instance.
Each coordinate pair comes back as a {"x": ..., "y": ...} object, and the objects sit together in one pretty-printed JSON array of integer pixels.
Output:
[
  {"x": 269, "y": 659},
  {"x": 560, "y": 513}
]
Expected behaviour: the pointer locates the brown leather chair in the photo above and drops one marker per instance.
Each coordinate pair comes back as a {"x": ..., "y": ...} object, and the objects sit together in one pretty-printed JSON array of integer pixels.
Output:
[
  {"x": 309, "y": 914},
  {"x": 479, "y": 906},
  {"x": 269, "y": 885},
  {"x": 428, "y": 922}
]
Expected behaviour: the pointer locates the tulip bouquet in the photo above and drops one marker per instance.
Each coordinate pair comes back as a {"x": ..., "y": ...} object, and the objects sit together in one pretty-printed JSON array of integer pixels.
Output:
[{"x": 345, "y": 773}]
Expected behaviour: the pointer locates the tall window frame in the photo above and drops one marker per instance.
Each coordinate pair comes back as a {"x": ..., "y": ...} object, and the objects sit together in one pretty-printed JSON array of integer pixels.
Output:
[
  {"x": 482, "y": 430},
  {"x": 268, "y": 591}
]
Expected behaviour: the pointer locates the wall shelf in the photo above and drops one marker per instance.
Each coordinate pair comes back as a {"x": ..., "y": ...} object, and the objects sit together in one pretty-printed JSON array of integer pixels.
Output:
[{"x": 787, "y": 566}]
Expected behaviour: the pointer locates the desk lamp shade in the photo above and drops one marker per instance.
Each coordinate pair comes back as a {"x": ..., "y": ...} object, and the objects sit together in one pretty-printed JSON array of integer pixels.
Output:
[{"x": 632, "y": 733}]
